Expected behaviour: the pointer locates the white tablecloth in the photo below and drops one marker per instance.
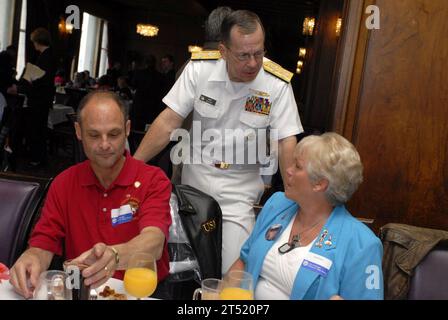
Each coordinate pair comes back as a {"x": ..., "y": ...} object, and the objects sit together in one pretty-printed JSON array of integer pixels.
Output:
[
  {"x": 58, "y": 114},
  {"x": 7, "y": 292}
]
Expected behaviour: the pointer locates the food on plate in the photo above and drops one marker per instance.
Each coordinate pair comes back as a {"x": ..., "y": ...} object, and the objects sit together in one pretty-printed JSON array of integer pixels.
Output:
[{"x": 110, "y": 294}]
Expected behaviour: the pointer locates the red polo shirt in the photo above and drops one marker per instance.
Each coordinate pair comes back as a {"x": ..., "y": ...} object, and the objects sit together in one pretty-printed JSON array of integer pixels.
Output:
[{"x": 77, "y": 210}]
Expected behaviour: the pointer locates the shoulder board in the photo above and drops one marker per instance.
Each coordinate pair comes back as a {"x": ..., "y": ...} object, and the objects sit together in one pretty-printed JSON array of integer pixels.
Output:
[
  {"x": 277, "y": 70},
  {"x": 206, "y": 55}
]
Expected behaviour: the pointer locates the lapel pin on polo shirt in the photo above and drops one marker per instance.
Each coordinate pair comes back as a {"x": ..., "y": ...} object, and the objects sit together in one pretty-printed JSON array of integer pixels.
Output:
[
  {"x": 137, "y": 184},
  {"x": 272, "y": 232}
]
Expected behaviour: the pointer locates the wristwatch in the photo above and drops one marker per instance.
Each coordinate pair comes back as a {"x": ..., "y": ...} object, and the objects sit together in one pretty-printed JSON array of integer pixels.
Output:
[{"x": 117, "y": 257}]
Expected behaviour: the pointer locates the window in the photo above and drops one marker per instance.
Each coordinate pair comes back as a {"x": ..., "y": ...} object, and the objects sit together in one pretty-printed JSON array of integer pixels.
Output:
[
  {"x": 6, "y": 21},
  {"x": 104, "y": 62},
  {"x": 93, "y": 41},
  {"x": 22, "y": 40}
]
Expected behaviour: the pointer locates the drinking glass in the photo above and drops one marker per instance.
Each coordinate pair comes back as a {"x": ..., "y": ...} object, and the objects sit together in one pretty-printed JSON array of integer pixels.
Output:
[
  {"x": 140, "y": 278},
  {"x": 237, "y": 285},
  {"x": 210, "y": 289},
  {"x": 52, "y": 285}
]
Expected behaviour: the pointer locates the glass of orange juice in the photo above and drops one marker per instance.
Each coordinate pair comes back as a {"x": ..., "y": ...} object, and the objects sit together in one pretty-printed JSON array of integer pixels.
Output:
[
  {"x": 237, "y": 285},
  {"x": 210, "y": 289},
  {"x": 140, "y": 278}
]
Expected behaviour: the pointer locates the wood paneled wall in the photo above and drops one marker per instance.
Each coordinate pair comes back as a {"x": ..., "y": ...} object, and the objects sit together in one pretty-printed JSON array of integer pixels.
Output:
[{"x": 395, "y": 111}]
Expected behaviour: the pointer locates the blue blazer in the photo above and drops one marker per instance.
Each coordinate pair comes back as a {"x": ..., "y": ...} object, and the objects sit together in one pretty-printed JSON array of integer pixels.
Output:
[{"x": 354, "y": 250}]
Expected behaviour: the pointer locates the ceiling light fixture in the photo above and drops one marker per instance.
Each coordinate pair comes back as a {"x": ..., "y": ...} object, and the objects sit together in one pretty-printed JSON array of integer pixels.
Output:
[
  {"x": 147, "y": 30},
  {"x": 308, "y": 26}
]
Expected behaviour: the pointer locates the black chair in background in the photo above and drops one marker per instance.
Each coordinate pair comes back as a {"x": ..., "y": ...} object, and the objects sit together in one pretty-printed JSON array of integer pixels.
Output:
[
  {"x": 74, "y": 97},
  {"x": 21, "y": 200}
]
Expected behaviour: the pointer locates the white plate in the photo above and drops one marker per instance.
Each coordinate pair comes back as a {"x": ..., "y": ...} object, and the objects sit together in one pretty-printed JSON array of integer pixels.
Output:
[{"x": 117, "y": 285}]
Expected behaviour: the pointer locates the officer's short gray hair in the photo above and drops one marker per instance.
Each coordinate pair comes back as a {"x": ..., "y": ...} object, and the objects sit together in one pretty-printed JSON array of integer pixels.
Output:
[
  {"x": 100, "y": 94},
  {"x": 333, "y": 158},
  {"x": 247, "y": 21},
  {"x": 213, "y": 23}
]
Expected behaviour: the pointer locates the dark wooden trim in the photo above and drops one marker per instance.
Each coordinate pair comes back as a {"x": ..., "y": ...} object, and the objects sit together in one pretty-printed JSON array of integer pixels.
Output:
[{"x": 350, "y": 66}]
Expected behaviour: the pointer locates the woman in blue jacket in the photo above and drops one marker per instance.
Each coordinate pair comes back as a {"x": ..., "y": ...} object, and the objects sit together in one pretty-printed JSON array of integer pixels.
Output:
[{"x": 305, "y": 244}]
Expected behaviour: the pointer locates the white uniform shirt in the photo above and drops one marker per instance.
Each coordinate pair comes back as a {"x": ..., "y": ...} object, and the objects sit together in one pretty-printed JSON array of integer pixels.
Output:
[{"x": 205, "y": 87}]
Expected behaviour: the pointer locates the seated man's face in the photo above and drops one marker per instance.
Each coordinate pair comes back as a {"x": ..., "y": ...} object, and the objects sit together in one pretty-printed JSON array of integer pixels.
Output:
[{"x": 103, "y": 132}]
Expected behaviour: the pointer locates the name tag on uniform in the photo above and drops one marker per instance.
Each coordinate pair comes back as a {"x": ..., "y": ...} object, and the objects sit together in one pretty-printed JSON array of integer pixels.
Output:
[
  {"x": 207, "y": 100},
  {"x": 121, "y": 215},
  {"x": 317, "y": 263}
]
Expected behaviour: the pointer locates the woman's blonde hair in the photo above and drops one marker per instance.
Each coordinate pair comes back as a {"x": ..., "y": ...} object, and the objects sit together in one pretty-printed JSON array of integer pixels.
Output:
[{"x": 333, "y": 158}]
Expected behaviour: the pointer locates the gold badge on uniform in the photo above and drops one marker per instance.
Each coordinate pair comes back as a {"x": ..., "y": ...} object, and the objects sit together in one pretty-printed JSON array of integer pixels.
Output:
[{"x": 258, "y": 102}]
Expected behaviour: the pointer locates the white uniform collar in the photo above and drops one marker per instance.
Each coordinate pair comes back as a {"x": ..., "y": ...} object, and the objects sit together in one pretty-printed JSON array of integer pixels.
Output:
[{"x": 220, "y": 74}]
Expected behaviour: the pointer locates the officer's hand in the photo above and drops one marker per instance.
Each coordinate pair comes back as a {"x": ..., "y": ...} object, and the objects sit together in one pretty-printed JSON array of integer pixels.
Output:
[{"x": 24, "y": 275}]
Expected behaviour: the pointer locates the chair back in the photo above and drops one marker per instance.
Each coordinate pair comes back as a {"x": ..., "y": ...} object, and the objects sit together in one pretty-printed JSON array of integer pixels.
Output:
[
  {"x": 20, "y": 201},
  {"x": 430, "y": 281}
]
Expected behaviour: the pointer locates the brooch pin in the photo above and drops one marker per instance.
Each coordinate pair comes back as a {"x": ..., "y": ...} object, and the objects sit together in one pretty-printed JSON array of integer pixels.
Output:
[
  {"x": 272, "y": 232},
  {"x": 322, "y": 238},
  {"x": 328, "y": 242}
]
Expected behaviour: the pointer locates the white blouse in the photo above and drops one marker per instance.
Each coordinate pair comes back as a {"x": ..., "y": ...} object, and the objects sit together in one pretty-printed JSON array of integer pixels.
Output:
[{"x": 279, "y": 270}]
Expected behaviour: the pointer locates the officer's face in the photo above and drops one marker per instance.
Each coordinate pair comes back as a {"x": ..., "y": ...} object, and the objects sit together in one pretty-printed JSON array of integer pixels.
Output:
[
  {"x": 244, "y": 54},
  {"x": 103, "y": 132}
]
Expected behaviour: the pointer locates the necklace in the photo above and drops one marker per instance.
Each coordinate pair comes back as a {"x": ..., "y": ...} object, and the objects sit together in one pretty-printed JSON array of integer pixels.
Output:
[{"x": 286, "y": 247}]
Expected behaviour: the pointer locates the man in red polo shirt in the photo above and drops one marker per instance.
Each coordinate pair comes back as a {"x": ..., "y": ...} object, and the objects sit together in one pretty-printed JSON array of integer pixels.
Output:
[{"x": 102, "y": 210}]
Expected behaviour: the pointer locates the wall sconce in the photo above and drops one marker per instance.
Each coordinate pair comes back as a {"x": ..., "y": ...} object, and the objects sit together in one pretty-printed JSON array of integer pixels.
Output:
[
  {"x": 64, "y": 28},
  {"x": 308, "y": 26},
  {"x": 300, "y": 64},
  {"x": 147, "y": 30},
  {"x": 192, "y": 48},
  {"x": 338, "y": 26},
  {"x": 299, "y": 70},
  {"x": 302, "y": 53}
]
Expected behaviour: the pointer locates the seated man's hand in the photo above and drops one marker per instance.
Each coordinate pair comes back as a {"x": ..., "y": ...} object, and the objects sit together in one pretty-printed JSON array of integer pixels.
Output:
[
  {"x": 25, "y": 273},
  {"x": 336, "y": 297},
  {"x": 101, "y": 262}
]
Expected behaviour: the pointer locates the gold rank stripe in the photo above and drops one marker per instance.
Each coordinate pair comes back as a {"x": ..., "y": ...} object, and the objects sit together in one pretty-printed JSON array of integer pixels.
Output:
[
  {"x": 206, "y": 55},
  {"x": 277, "y": 70}
]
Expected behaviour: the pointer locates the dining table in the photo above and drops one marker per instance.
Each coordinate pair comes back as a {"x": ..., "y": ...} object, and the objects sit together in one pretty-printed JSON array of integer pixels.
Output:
[{"x": 7, "y": 291}]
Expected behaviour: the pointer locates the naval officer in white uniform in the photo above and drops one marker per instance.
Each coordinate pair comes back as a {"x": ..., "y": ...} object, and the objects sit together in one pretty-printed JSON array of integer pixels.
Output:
[{"x": 233, "y": 88}]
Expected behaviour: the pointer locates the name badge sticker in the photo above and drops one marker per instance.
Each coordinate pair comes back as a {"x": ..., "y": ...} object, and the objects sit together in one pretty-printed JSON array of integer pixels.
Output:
[
  {"x": 121, "y": 215},
  {"x": 317, "y": 263}
]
